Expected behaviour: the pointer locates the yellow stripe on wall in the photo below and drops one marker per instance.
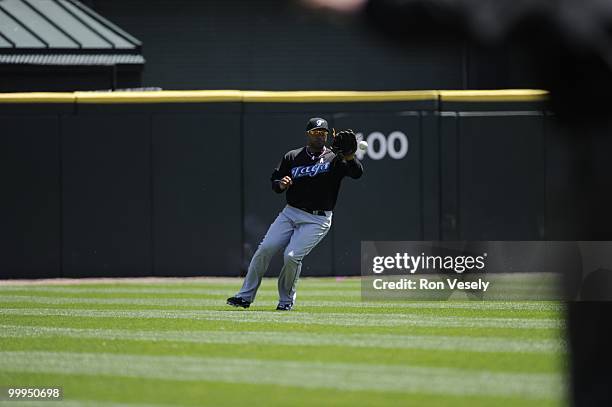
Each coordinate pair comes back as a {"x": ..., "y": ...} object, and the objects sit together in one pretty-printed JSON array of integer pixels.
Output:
[
  {"x": 338, "y": 96},
  {"x": 38, "y": 97},
  {"x": 204, "y": 96},
  {"x": 504, "y": 95},
  {"x": 163, "y": 96}
]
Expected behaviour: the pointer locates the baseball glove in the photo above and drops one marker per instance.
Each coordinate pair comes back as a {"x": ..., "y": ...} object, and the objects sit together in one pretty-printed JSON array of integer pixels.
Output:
[{"x": 344, "y": 143}]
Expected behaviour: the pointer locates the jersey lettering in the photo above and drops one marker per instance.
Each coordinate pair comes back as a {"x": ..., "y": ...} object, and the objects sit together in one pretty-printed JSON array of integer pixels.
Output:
[{"x": 310, "y": 170}]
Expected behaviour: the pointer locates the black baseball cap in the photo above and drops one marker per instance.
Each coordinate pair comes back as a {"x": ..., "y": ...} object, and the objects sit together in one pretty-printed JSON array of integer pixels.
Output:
[{"x": 317, "y": 123}]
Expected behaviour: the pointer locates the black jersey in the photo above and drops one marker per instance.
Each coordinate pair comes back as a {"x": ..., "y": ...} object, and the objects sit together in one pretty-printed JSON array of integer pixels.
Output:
[{"x": 315, "y": 181}]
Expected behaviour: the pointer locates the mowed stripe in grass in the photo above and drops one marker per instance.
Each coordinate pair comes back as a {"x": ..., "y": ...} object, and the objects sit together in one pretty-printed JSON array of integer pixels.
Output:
[
  {"x": 551, "y": 309},
  {"x": 475, "y": 361},
  {"x": 519, "y": 281},
  {"x": 354, "y": 293},
  {"x": 331, "y": 318},
  {"x": 85, "y": 403},
  {"x": 232, "y": 327},
  {"x": 316, "y": 295},
  {"x": 162, "y": 393},
  {"x": 344, "y": 376},
  {"x": 385, "y": 341}
]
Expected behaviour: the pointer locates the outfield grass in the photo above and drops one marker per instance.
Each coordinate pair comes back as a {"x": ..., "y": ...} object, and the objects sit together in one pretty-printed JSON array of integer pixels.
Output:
[{"x": 177, "y": 343}]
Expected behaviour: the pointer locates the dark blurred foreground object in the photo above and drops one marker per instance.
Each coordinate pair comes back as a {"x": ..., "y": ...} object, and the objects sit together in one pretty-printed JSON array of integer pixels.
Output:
[
  {"x": 597, "y": 286},
  {"x": 568, "y": 42},
  {"x": 591, "y": 353},
  {"x": 590, "y": 335}
]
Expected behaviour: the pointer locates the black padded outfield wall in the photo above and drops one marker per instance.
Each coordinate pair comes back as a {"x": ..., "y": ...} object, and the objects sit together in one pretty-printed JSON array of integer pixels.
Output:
[
  {"x": 30, "y": 208},
  {"x": 493, "y": 172},
  {"x": 162, "y": 196},
  {"x": 177, "y": 183}
]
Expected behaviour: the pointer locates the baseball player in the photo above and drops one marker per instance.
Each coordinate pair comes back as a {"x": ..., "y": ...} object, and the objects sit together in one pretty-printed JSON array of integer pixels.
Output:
[{"x": 311, "y": 178}]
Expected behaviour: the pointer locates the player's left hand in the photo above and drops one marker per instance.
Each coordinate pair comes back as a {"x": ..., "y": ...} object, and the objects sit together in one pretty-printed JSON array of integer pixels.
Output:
[{"x": 344, "y": 144}]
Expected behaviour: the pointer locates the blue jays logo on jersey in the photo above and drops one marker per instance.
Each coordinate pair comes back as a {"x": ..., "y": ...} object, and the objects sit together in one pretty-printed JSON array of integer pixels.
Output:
[{"x": 310, "y": 170}]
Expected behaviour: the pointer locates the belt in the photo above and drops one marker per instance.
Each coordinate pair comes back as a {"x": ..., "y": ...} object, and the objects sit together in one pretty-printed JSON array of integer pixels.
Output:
[{"x": 315, "y": 212}]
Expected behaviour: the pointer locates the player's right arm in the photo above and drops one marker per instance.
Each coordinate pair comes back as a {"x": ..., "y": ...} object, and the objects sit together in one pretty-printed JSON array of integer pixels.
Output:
[{"x": 281, "y": 179}]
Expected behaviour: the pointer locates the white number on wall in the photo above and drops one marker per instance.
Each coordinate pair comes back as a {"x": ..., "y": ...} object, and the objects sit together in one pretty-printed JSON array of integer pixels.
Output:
[{"x": 379, "y": 146}]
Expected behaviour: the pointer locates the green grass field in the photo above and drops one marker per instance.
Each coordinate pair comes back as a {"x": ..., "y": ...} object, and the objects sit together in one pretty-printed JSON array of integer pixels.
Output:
[{"x": 176, "y": 343}]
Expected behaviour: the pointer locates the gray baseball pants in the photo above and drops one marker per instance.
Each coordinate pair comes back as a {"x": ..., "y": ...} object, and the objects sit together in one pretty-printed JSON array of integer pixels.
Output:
[{"x": 298, "y": 232}]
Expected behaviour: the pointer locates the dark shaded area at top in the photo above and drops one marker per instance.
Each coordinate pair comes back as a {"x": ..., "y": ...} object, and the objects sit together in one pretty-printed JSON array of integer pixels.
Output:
[{"x": 278, "y": 45}]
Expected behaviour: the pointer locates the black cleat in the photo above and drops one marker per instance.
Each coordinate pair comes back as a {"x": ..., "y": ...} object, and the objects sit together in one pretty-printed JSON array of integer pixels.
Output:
[
  {"x": 284, "y": 307},
  {"x": 238, "y": 302}
]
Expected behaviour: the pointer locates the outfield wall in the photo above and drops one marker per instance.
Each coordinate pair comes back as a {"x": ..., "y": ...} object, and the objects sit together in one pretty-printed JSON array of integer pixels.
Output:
[{"x": 177, "y": 183}]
